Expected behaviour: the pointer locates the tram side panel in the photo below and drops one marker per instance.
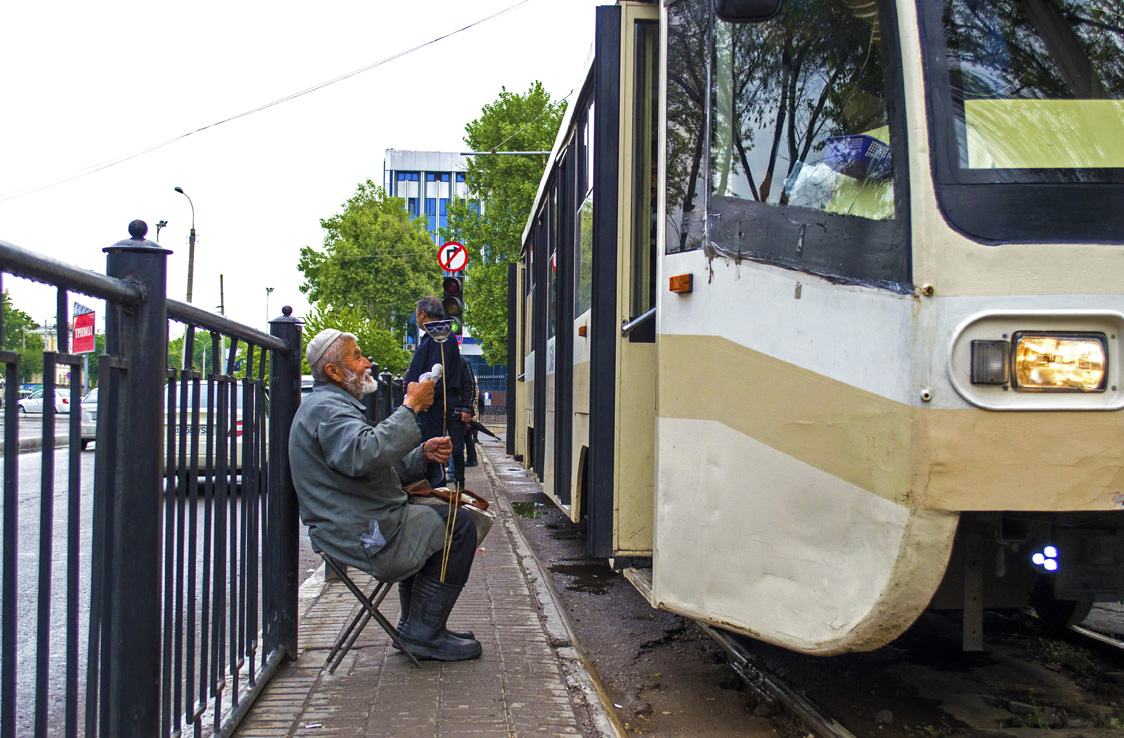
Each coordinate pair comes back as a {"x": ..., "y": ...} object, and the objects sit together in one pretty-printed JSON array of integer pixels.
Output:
[{"x": 785, "y": 407}]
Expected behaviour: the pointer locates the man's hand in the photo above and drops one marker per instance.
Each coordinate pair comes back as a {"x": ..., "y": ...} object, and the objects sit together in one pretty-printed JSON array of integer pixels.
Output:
[
  {"x": 465, "y": 416},
  {"x": 419, "y": 396},
  {"x": 438, "y": 449}
]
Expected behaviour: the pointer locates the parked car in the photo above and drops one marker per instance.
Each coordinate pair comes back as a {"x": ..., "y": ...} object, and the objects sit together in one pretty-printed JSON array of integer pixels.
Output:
[
  {"x": 234, "y": 445},
  {"x": 33, "y": 404},
  {"x": 89, "y": 418}
]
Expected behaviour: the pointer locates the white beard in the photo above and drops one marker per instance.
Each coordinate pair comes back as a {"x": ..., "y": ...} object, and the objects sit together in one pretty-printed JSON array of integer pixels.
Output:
[{"x": 359, "y": 385}]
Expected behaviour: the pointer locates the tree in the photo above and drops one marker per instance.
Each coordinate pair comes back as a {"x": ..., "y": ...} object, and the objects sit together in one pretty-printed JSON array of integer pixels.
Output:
[
  {"x": 506, "y": 185},
  {"x": 20, "y": 336},
  {"x": 376, "y": 262},
  {"x": 377, "y": 343}
]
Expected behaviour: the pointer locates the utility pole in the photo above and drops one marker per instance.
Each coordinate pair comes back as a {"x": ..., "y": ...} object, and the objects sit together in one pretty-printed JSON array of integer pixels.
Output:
[
  {"x": 190, "y": 244},
  {"x": 267, "y": 291}
]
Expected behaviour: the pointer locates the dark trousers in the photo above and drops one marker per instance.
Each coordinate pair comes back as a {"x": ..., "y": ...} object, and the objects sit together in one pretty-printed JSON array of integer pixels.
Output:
[
  {"x": 435, "y": 472},
  {"x": 470, "y": 448},
  {"x": 461, "y": 552}
]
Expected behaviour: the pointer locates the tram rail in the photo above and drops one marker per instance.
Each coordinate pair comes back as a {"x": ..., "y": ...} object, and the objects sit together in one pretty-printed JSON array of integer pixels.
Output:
[{"x": 761, "y": 678}]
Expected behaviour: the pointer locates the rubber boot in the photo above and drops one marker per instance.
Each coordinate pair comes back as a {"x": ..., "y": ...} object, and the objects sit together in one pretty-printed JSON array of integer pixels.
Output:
[
  {"x": 424, "y": 632},
  {"x": 404, "y": 588}
]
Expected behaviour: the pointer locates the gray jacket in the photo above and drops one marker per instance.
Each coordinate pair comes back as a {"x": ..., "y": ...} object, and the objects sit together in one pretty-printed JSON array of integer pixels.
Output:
[{"x": 349, "y": 477}]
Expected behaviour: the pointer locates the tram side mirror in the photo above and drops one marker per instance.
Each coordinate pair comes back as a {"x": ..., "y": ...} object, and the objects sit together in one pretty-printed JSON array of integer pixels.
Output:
[{"x": 746, "y": 11}]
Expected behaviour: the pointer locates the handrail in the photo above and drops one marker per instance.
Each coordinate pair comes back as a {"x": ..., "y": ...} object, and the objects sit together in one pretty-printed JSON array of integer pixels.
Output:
[
  {"x": 630, "y": 325},
  {"x": 29, "y": 265},
  {"x": 191, "y": 315}
]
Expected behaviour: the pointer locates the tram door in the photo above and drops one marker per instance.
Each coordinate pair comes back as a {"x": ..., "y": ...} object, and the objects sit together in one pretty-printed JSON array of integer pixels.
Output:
[
  {"x": 621, "y": 469},
  {"x": 517, "y": 400}
]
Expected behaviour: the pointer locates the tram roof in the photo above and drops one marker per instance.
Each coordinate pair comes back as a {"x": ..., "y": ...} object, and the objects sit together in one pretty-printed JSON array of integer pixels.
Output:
[{"x": 559, "y": 140}]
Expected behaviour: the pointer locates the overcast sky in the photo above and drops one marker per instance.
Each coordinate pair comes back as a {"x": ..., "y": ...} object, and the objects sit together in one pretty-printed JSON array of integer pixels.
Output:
[{"x": 85, "y": 83}]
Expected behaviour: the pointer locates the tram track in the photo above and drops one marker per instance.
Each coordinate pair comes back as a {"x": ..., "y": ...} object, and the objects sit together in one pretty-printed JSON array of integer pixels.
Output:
[
  {"x": 761, "y": 678},
  {"x": 923, "y": 684}
]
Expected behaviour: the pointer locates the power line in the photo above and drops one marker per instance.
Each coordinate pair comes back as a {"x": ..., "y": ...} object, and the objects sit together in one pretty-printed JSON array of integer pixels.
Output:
[{"x": 93, "y": 168}]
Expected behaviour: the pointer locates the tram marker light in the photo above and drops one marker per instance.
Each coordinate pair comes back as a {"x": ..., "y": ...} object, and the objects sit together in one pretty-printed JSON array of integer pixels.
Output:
[
  {"x": 681, "y": 283},
  {"x": 1060, "y": 362},
  {"x": 990, "y": 362}
]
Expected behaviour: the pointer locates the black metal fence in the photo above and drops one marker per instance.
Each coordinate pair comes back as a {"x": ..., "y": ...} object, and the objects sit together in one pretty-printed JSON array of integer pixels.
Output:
[{"x": 170, "y": 587}]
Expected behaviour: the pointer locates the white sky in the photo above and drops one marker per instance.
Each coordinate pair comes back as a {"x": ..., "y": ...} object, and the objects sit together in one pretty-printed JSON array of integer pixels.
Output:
[{"x": 83, "y": 83}]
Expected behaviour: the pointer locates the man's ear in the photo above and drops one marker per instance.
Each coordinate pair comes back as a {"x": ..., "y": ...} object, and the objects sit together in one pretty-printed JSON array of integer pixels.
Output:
[{"x": 334, "y": 373}]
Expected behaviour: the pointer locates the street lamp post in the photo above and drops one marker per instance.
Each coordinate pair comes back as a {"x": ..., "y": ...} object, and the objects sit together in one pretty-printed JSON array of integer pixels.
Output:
[
  {"x": 267, "y": 291},
  {"x": 160, "y": 224},
  {"x": 190, "y": 244}
]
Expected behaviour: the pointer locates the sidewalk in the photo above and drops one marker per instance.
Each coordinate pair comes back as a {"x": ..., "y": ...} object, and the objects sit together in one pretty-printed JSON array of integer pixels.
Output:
[{"x": 531, "y": 680}]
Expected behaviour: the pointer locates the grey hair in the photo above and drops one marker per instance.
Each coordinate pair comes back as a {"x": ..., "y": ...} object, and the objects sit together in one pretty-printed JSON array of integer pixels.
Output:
[
  {"x": 432, "y": 307},
  {"x": 333, "y": 355}
]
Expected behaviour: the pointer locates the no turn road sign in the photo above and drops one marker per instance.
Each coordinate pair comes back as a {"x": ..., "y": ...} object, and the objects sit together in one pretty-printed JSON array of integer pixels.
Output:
[{"x": 452, "y": 257}]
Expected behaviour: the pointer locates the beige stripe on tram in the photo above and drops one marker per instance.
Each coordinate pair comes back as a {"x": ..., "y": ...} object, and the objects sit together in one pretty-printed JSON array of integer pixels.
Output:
[{"x": 967, "y": 459}]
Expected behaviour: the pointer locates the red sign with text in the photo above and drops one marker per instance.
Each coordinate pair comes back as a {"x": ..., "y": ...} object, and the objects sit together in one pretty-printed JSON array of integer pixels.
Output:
[{"x": 83, "y": 333}]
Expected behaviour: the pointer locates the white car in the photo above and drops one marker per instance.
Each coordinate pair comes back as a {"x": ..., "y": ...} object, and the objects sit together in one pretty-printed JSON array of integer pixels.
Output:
[
  {"x": 234, "y": 435},
  {"x": 33, "y": 404},
  {"x": 89, "y": 418}
]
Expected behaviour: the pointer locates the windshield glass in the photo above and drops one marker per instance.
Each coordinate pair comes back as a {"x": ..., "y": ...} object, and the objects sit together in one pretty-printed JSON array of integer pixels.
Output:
[{"x": 1036, "y": 90}]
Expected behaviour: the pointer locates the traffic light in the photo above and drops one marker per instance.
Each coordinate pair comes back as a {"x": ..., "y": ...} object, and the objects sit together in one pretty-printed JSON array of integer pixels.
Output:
[{"x": 452, "y": 300}]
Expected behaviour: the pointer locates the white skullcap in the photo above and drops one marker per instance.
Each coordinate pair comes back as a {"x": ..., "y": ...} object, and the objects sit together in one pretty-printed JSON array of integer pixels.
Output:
[{"x": 321, "y": 343}]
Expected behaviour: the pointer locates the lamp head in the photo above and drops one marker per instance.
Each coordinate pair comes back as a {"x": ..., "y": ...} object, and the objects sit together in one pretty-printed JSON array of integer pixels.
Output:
[{"x": 180, "y": 190}]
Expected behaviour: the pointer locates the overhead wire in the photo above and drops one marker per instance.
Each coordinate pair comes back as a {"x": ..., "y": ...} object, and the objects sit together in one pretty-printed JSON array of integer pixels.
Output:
[{"x": 94, "y": 168}]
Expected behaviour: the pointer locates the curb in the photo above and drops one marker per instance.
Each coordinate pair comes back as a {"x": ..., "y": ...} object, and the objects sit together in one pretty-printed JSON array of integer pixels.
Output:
[
  {"x": 34, "y": 444},
  {"x": 576, "y": 666}
]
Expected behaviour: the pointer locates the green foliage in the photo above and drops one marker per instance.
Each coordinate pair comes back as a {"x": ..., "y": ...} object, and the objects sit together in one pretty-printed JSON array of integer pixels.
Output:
[
  {"x": 202, "y": 351},
  {"x": 507, "y": 185},
  {"x": 99, "y": 349},
  {"x": 377, "y": 343},
  {"x": 376, "y": 262},
  {"x": 20, "y": 336}
]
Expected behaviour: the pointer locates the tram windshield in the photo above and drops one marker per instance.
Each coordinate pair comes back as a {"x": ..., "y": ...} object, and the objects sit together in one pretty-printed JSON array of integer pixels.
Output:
[
  {"x": 1036, "y": 88},
  {"x": 800, "y": 171}
]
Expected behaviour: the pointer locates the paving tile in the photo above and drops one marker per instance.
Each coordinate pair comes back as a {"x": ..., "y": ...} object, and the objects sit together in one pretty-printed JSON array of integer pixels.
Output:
[{"x": 517, "y": 688}]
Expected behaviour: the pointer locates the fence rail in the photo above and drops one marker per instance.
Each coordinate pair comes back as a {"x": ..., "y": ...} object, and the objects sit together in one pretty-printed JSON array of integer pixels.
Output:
[{"x": 180, "y": 586}]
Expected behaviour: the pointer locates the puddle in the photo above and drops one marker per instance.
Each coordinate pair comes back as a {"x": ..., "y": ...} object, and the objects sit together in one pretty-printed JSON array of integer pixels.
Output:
[
  {"x": 591, "y": 578},
  {"x": 529, "y": 509}
]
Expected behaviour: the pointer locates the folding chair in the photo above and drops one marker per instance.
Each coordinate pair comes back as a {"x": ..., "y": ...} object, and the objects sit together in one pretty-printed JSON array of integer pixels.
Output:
[{"x": 370, "y": 610}]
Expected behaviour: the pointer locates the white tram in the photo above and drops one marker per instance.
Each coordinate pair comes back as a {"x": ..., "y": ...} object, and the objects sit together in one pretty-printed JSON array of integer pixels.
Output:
[{"x": 819, "y": 318}]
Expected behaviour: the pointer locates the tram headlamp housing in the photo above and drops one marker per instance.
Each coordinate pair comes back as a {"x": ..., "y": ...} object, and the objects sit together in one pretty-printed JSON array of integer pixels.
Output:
[{"x": 1059, "y": 362}]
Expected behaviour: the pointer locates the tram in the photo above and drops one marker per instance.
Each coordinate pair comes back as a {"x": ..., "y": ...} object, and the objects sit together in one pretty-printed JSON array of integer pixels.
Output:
[{"x": 818, "y": 318}]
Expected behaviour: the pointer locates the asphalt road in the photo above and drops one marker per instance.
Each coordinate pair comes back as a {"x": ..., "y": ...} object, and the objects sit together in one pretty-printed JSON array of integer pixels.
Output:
[{"x": 27, "y": 599}]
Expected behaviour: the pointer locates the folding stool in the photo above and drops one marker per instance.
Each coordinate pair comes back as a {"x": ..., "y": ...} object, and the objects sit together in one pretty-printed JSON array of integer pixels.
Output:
[{"x": 359, "y": 622}]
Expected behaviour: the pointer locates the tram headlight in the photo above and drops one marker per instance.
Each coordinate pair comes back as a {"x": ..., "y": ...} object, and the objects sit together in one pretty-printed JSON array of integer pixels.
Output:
[{"x": 1073, "y": 362}]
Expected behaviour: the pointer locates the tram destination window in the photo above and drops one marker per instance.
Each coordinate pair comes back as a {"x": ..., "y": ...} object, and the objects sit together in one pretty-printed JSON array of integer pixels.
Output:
[
  {"x": 799, "y": 167},
  {"x": 1029, "y": 95}
]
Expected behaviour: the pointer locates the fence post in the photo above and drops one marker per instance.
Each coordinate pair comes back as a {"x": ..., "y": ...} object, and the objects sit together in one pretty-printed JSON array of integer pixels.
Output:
[
  {"x": 384, "y": 395},
  {"x": 282, "y": 530},
  {"x": 139, "y": 335},
  {"x": 371, "y": 401},
  {"x": 397, "y": 392}
]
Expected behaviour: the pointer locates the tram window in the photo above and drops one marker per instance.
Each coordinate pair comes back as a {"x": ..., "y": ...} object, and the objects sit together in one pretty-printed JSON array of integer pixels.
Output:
[
  {"x": 687, "y": 42},
  {"x": 1037, "y": 86},
  {"x": 800, "y": 171},
  {"x": 583, "y": 264},
  {"x": 644, "y": 180}
]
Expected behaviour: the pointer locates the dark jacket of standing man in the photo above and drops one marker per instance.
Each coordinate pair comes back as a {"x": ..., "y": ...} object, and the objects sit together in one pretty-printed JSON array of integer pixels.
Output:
[{"x": 441, "y": 418}]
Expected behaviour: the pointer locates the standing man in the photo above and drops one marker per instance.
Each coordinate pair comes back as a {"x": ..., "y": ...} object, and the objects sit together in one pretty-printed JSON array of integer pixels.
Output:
[
  {"x": 442, "y": 418},
  {"x": 349, "y": 475}
]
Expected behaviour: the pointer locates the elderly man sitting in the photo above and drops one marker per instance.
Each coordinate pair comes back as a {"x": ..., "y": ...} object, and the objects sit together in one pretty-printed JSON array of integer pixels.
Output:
[{"x": 349, "y": 476}]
